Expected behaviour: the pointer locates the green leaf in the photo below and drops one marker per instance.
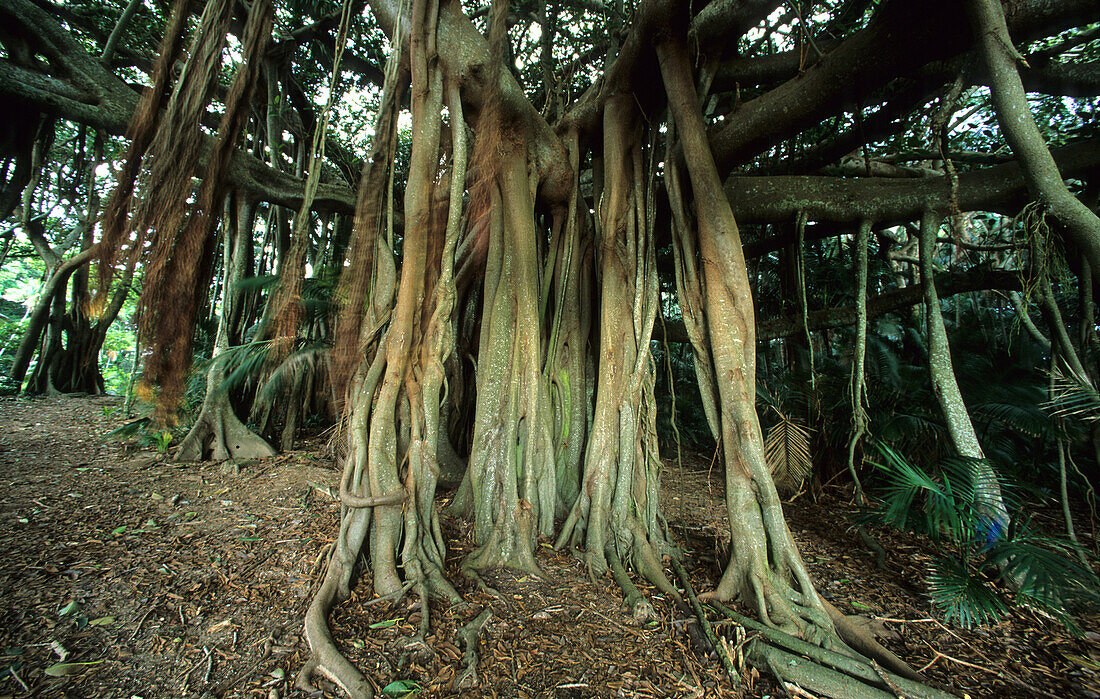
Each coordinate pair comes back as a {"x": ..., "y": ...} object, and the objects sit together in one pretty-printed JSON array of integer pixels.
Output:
[
  {"x": 401, "y": 688},
  {"x": 102, "y": 621},
  {"x": 385, "y": 624},
  {"x": 70, "y": 608},
  {"x": 65, "y": 669},
  {"x": 118, "y": 530},
  {"x": 964, "y": 596}
]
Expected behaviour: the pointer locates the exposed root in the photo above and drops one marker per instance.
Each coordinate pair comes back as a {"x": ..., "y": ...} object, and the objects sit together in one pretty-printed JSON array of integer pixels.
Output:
[
  {"x": 469, "y": 635},
  {"x": 848, "y": 662},
  {"x": 636, "y": 604},
  {"x": 326, "y": 658},
  {"x": 863, "y": 642},
  {"x": 704, "y": 624},
  {"x": 788, "y": 667},
  {"x": 219, "y": 433}
]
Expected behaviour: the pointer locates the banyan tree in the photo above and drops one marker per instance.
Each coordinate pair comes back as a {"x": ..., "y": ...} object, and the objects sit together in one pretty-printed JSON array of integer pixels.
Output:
[{"x": 540, "y": 181}]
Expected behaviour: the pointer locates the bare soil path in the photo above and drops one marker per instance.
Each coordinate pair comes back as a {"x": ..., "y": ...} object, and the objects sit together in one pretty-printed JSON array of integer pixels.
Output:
[{"x": 144, "y": 578}]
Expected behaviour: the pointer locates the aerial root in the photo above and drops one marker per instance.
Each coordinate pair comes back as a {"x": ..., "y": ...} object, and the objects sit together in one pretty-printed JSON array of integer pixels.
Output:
[
  {"x": 325, "y": 658},
  {"x": 820, "y": 670},
  {"x": 636, "y": 604},
  {"x": 704, "y": 623},
  {"x": 469, "y": 634}
]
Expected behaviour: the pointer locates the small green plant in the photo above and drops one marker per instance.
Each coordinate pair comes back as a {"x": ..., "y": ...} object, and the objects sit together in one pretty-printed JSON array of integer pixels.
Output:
[
  {"x": 144, "y": 433},
  {"x": 984, "y": 567},
  {"x": 162, "y": 439}
]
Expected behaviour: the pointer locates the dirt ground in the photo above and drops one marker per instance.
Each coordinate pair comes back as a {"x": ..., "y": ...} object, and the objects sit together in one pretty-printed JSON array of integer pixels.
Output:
[{"x": 122, "y": 575}]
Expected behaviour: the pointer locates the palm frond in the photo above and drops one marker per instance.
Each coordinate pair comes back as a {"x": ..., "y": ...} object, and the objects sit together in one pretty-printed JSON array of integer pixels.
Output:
[
  {"x": 787, "y": 452},
  {"x": 1045, "y": 571},
  {"x": 1026, "y": 418},
  {"x": 1073, "y": 397},
  {"x": 131, "y": 429},
  {"x": 949, "y": 504},
  {"x": 963, "y": 595},
  {"x": 258, "y": 283},
  {"x": 292, "y": 370},
  {"x": 243, "y": 363}
]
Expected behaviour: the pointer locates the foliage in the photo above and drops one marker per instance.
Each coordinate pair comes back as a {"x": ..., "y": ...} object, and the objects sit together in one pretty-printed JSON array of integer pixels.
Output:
[
  {"x": 143, "y": 433},
  {"x": 981, "y": 571},
  {"x": 787, "y": 448}
]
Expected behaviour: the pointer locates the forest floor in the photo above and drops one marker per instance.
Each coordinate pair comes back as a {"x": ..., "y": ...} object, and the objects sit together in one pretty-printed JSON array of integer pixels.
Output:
[{"x": 131, "y": 577}]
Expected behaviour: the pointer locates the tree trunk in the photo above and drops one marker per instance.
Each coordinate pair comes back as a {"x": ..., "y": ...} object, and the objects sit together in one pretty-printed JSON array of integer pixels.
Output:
[
  {"x": 765, "y": 569},
  {"x": 946, "y": 388},
  {"x": 616, "y": 512},
  {"x": 511, "y": 470},
  {"x": 217, "y": 431},
  {"x": 1018, "y": 125}
]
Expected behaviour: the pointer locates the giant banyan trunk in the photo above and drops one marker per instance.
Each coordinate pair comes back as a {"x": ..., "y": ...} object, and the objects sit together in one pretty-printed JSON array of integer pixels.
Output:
[
  {"x": 765, "y": 569},
  {"x": 615, "y": 513}
]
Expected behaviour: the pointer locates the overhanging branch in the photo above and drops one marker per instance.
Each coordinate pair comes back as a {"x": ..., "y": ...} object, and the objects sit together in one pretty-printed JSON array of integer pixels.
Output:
[
  {"x": 849, "y": 200},
  {"x": 77, "y": 87}
]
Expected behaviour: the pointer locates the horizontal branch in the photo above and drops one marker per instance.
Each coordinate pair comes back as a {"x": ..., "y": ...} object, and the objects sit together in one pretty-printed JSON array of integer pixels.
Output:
[
  {"x": 903, "y": 37},
  {"x": 78, "y": 88},
  {"x": 947, "y": 284},
  {"x": 848, "y": 200}
]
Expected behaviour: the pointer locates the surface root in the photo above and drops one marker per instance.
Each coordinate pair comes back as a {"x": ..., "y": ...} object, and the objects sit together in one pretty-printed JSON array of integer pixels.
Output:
[{"x": 469, "y": 635}]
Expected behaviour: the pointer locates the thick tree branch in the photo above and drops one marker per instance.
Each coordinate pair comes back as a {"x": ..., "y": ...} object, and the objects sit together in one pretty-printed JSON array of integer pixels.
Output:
[
  {"x": 1019, "y": 129},
  {"x": 465, "y": 53},
  {"x": 947, "y": 284},
  {"x": 77, "y": 87},
  {"x": 903, "y": 37},
  {"x": 848, "y": 200}
]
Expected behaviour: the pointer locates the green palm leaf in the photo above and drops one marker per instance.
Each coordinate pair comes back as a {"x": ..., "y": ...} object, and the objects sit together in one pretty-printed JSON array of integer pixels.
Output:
[{"x": 965, "y": 597}]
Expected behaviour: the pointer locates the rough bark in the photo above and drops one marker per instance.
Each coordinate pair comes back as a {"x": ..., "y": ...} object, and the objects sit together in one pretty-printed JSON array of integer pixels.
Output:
[
  {"x": 616, "y": 511},
  {"x": 393, "y": 403},
  {"x": 765, "y": 568}
]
